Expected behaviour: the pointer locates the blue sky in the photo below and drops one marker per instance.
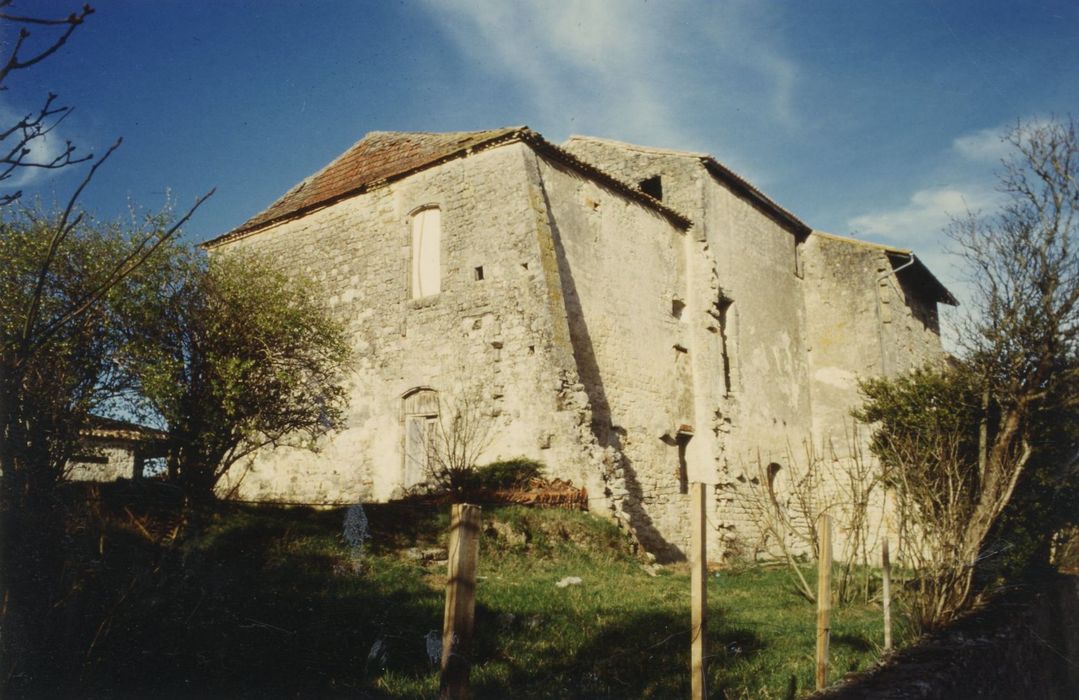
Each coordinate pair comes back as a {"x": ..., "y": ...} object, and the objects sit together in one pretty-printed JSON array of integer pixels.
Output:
[{"x": 877, "y": 119}]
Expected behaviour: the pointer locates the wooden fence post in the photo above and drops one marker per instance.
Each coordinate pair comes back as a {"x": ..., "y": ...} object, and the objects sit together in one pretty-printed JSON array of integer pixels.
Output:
[
  {"x": 464, "y": 548},
  {"x": 698, "y": 582},
  {"x": 824, "y": 598},
  {"x": 886, "y": 592}
]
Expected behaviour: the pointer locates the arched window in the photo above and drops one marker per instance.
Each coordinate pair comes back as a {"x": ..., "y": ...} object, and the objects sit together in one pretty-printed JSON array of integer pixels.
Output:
[
  {"x": 420, "y": 411},
  {"x": 426, "y": 243}
]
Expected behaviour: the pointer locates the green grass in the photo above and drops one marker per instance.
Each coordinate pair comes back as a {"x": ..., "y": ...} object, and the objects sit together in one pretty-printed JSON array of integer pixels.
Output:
[{"x": 262, "y": 601}]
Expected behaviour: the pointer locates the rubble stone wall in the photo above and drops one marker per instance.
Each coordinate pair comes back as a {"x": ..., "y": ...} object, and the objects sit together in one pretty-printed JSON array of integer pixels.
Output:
[{"x": 492, "y": 335}]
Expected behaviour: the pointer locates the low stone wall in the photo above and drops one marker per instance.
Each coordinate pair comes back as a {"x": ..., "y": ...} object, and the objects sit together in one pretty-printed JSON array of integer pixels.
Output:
[{"x": 1021, "y": 645}]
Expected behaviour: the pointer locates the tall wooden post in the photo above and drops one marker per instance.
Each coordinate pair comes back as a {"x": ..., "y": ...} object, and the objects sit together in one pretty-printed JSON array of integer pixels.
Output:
[
  {"x": 824, "y": 598},
  {"x": 464, "y": 549},
  {"x": 886, "y": 583},
  {"x": 698, "y": 582}
]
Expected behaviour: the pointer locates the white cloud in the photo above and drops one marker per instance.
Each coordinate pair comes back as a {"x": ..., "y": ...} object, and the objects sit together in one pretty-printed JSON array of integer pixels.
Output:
[
  {"x": 990, "y": 145},
  {"x": 984, "y": 145},
  {"x": 640, "y": 71},
  {"x": 926, "y": 215}
]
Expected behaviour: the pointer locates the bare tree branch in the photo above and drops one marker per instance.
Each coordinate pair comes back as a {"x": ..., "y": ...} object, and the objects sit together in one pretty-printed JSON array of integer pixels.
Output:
[{"x": 14, "y": 62}]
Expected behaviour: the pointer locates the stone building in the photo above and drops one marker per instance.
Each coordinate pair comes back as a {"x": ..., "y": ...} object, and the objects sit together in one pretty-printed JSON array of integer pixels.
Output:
[
  {"x": 635, "y": 319},
  {"x": 111, "y": 449}
]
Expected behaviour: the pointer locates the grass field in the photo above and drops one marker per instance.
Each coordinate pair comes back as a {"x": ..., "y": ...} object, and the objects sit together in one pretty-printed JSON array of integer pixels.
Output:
[{"x": 273, "y": 602}]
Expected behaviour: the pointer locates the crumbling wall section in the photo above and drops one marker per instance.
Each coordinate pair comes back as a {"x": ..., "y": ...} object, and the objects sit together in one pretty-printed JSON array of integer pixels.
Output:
[
  {"x": 755, "y": 400},
  {"x": 625, "y": 279}
]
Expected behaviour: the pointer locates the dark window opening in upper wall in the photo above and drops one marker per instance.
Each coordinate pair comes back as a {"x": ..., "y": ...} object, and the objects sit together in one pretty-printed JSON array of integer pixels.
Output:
[{"x": 653, "y": 187}]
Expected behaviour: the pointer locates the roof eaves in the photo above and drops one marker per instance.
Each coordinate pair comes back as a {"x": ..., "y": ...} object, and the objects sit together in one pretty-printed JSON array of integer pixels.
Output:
[
  {"x": 625, "y": 145},
  {"x": 866, "y": 244},
  {"x": 113, "y": 429},
  {"x": 763, "y": 203},
  {"x": 513, "y": 134},
  {"x": 941, "y": 293}
]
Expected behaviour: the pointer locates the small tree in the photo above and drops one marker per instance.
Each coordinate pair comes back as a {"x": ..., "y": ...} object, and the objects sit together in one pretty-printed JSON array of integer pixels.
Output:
[
  {"x": 235, "y": 355},
  {"x": 1022, "y": 337},
  {"x": 60, "y": 327},
  {"x": 58, "y": 272},
  {"x": 56, "y": 289},
  {"x": 960, "y": 444},
  {"x": 927, "y": 441},
  {"x": 59, "y": 331}
]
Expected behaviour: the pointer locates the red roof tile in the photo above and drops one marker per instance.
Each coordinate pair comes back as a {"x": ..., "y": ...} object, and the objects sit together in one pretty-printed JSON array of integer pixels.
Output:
[{"x": 378, "y": 156}]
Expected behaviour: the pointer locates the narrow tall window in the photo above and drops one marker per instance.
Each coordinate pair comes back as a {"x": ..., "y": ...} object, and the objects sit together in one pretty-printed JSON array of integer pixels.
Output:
[
  {"x": 426, "y": 252},
  {"x": 683, "y": 469},
  {"x": 723, "y": 306}
]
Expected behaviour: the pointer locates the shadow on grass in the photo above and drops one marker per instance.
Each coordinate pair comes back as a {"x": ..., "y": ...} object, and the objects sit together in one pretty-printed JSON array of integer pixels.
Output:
[
  {"x": 640, "y": 655},
  {"x": 267, "y": 602},
  {"x": 260, "y": 603},
  {"x": 855, "y": 642}
]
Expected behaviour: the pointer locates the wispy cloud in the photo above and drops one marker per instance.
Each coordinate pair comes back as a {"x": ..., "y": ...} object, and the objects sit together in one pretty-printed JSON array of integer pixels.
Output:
[
  {"x": 620, "y": 68},
  {"x": 922, "y": 221},
  {"x": 925, "y": 215},
  {"x": 984, "y": 145},
  {"x": 971, "y": 188}
]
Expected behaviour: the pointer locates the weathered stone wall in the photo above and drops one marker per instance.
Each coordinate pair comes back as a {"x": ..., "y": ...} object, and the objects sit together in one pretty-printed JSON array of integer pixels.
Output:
[
  {"x": 864, "y": 321},
  {"x": 111, "y": 460},
  {"x": 799, "y": 319},
  {"x": 752, "y": 394},
  {"x": 626, "y": 289},
  {"x": 571, "y": 334},
  {"x": 769, "y": 403},
  {"x": 624, "y": 353},
  {"x": 493, "y": 334}
]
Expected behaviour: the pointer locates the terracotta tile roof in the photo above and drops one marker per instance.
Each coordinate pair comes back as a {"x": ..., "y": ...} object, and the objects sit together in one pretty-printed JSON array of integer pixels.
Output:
[
  {"x": 112, "y": 429},
  {"x": 384, "y": 156},
  {"x": 378, "y": 156}
]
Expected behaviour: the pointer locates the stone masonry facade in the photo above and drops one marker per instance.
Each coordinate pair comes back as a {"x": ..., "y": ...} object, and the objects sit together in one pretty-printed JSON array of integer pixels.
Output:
[{"x": 635, "y": 319}]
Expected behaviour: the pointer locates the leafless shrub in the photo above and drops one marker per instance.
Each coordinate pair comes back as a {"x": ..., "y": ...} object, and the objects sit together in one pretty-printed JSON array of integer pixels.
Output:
[
  {"x": 463, "y": 430},
  {"x": 786, "y": 511}
]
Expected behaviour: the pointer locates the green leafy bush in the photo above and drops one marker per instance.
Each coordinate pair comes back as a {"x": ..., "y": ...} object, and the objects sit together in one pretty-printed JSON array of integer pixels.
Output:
[{"x": 506, "y": 474}]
